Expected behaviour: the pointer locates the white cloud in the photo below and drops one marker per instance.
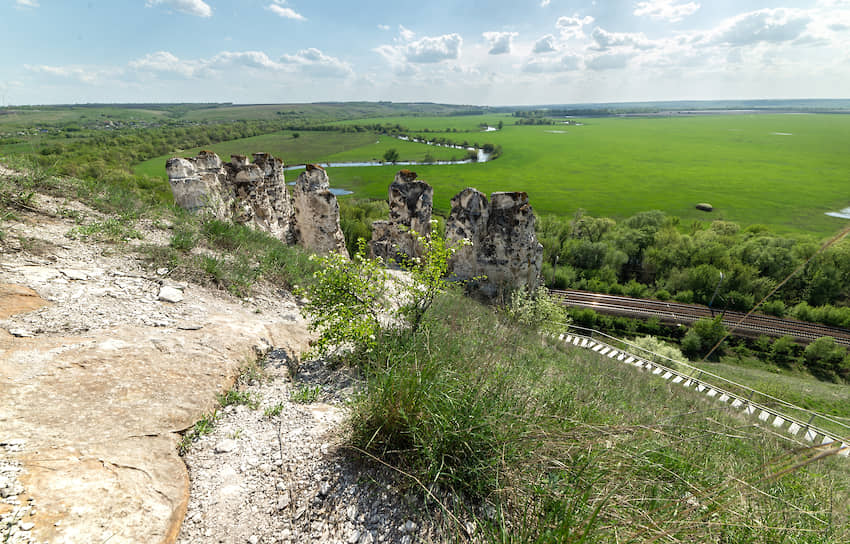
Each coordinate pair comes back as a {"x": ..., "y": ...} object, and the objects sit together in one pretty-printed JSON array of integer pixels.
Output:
[
  {"x": 500, "y": 42},
  {"x": 277, "y": 7},
  {"x": 307, "y": 61},
  {"x": 765, "y": 25},
  {"x": 434, "y": 49},
  {"x": 26, "y": 3},
  {"x": 383, "y": 27},
  {"x": 427, "y": 50},
  {"x": 83, "y": 74},
  {"x": 164, "y": 63},
  {"x": 198, "y": 8},
  {"x": 405, "y": 33},
  {"x": 315, "y": 63},
  {"x": 567, "y": 63},
  {"x": 667, "y": 10},
  {"x": 609, "y": 61},
  {"x": 605, "y": 40},
  {"x": 544, "y": 3},
  {"x": 546, "y": 44},
  {"x": 256, "y": 60},
  {"x": 571, "y": 27}
]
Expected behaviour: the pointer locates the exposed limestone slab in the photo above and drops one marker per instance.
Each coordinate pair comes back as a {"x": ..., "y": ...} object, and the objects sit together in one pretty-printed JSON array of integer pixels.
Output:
[
  {"x": 18, "y": 299},
  {"x": 98, "y": 418},
  {"x": 317, "y": 213}
]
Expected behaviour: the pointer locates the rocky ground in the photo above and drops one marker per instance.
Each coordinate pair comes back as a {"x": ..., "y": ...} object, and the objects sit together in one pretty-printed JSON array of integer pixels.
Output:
[
  {"x": 279, "y": 473},
  {"x": 103, "y": 361}
]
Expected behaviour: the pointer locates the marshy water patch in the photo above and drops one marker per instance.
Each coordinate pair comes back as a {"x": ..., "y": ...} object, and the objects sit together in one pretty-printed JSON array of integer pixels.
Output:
[
  {"x": 782, "y": 133},
  {"x": 843, "y": 214}
]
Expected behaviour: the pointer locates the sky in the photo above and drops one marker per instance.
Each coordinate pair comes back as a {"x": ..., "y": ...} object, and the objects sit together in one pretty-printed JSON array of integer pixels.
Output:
[{"x": 494, "y": 52}]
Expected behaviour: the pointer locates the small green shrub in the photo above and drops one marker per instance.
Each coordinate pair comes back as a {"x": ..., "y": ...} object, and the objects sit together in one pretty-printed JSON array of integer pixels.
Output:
[
  {"x": 274, "y": 411},
  {"x": 663, "y": 353},
  {"x": 235, "y": 397},
  {"x": 112, "y": 229},
  {"x": 184, "y": 239},
  {"x": 202, "y": 427},
  {"x": 538, "y": 310},
  {"x": 306, "y": 394}
]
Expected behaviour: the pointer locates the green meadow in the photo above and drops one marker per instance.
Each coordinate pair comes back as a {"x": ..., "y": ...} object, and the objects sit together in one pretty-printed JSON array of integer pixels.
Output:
[{"x": 783, "y": 170}]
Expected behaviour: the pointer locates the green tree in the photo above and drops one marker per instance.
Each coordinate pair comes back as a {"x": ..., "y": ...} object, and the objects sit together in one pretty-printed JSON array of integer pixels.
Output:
[
  {"x": 827, "y": 360},
  {"x": 703, "y": 335},
  {"x": 345, "y": 301},
  {"x": 349, "y": 300},
  {"x": 783, "y": 351},
  {"x": 391, "y": 155}
]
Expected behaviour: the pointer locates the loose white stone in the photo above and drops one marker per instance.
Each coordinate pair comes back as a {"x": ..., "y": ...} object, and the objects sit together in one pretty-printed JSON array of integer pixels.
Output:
[
  {"x": 226, "y": 446},
  {"x": 75, "y": 274},
  {"x": 170, "y": 294}
]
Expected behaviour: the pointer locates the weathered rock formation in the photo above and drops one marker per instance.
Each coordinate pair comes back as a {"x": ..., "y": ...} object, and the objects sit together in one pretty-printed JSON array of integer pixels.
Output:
[
  {"x": 411, "y": 202},
  {"x": 317, "y": 213},
  {"x": 505, "y": 254},
  {"x": 255, "y": 194},
  {"x": 200, "y": 184},
  {"x": 260, "y": 195}
]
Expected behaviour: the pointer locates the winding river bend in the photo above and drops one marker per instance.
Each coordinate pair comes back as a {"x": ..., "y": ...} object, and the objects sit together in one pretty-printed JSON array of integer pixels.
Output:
[{"x": 482, "y": 157}]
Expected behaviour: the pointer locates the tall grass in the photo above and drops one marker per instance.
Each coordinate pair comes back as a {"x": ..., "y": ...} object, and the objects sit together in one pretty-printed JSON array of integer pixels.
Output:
[
  {"x": 548, "y": 444},
  {"x": 237, "y": 258}
]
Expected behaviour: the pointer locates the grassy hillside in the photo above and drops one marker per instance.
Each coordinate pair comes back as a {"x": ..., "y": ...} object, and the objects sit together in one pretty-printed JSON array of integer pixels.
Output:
[
  {"x": 568, "y": 446},
  {"x": 536, "y": 443}
]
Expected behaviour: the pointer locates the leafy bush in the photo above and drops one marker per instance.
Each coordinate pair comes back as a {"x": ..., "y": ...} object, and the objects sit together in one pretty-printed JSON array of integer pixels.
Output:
[
  {"x": 784, "y": 351},
  {"x": 349, "y": 300},
  {"x": 346, "y": 301},
  {"x": 774, "y": 307},
  {"x": 703, "y": 335},
  {"x": 661, "y": 352},
  {"x": 826, "y": 359},
  {"x": 538, "y": 310}
]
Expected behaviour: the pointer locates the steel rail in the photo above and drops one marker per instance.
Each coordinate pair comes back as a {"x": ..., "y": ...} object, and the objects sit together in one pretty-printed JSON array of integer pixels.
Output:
[{"x": 679, "y": 313}]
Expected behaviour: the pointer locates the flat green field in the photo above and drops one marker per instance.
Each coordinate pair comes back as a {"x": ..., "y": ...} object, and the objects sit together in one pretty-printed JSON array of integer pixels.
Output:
[
  {"x": 462, "y": 123},
  {"x": 784, "y": 171}
]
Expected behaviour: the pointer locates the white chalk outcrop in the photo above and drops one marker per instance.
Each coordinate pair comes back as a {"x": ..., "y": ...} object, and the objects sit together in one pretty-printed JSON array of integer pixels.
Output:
[
  {"x": 254, "y": 193},
  {"x": 411, "y": 202},
  {"x": 317, "y": 213},
  {"x": 505, "y": 254}
]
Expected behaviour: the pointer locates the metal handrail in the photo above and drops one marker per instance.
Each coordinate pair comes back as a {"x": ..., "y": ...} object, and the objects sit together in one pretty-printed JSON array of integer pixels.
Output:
[{"x": 812, "y": 431}]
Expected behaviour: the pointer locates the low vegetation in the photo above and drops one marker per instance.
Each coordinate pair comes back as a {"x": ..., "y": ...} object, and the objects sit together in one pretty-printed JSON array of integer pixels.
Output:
[
  {"x": 531, "y": 441},
  {"x": 540, "y": 444}
]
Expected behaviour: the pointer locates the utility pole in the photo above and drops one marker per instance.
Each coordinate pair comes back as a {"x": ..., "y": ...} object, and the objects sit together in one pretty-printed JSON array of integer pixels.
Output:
[{"x": 716, "y": 289}]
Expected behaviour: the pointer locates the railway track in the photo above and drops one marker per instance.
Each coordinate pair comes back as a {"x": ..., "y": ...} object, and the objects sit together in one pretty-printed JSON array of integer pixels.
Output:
[{"x": 677, "y": 313}]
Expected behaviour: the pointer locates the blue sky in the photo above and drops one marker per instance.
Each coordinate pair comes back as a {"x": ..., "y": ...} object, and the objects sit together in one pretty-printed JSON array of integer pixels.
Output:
[{"x": 496, "y": 52}]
